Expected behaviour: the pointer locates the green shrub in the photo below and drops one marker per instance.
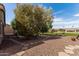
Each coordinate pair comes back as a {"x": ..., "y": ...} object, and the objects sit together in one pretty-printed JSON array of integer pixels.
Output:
[{"x": 30, "y": 20}]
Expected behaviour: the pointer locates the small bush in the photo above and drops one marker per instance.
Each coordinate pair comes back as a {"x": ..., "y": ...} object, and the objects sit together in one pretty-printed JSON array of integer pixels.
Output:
[{"x": 73, "y": 39}]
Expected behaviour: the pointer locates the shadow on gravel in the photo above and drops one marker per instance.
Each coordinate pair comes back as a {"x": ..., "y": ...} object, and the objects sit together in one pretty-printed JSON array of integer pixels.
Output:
[{"x": 12, "y": 44}]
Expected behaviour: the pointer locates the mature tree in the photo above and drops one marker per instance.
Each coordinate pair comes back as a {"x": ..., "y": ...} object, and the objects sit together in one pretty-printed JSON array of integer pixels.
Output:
[{"x": 31, "y": 19}]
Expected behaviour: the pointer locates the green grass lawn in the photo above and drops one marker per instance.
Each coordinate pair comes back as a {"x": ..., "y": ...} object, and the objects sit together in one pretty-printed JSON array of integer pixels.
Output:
[{"x": 62, "y": 33}]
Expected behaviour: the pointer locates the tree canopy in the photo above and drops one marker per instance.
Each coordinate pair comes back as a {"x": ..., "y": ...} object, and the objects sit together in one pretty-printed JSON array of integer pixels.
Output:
[{"x": 31, "y": 19}]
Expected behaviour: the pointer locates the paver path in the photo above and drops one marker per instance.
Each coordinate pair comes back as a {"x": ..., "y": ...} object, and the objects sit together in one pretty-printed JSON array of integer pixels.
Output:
[
  {"x": 70, "y": 50},
  {"x": 50, "y": 46}
]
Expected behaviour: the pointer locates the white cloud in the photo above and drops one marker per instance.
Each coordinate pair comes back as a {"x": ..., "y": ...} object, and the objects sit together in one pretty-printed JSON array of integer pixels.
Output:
[
  {"x": 73, "y": 22},
  {"x": 58, "y": 20},
  {"x": 61, "y": 23},
  {"x": 76, "y": 14},
  {"x": 58, "y": 12}
]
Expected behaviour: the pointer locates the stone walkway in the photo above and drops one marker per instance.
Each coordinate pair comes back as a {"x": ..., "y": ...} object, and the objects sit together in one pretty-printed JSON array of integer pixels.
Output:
[
  {"x": 70, "y": 50},
  {"x": 50, "y": 46},
  {"x": 53, "y": 47}
]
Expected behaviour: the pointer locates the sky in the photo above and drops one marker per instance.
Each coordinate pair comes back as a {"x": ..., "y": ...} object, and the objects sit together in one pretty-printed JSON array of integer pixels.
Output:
[
  {"x": 9, "y": 8},
  {"x": 66, "y": 15}
]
